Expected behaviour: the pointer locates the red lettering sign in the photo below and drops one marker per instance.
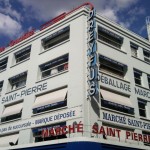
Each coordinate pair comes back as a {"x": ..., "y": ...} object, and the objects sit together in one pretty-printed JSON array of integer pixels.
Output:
[
  {"x": 48, "y": 132},
  {"x": 113, "y": 132}
]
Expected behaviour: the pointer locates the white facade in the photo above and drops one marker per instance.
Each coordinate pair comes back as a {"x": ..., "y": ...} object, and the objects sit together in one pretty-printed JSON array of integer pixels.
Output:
[{"x": 114, "y": 85}]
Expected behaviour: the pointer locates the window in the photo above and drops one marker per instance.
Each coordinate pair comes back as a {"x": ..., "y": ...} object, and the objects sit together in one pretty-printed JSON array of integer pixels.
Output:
[
  {"x": 110, "y": 37},
  {"x": 116, "y": 101},
  {"x": 23, "y": 54},
  {"x": 137, "y": 77},
  {"x": 134, "y": 49},
  {"x": 56, "y": 38},
  {"x": 146, "y": 141},
  {"x": 12, "y": 112},
  {"x": 148, "y": 78},
  {"x": 142, "y": 107},
  {"x": 112, "y": 67},
  {"x": 54, "y": 67},
  {"x": 43, "y": 133},
  {"x": 3, "y": 64},
  {"x": 49, "y": 101},
  {"x": 1, "y": 86},
  {"x": 146, "y": 56},
  {"x": 9, "y": 140},
  {"x": 18, "y": 81}
]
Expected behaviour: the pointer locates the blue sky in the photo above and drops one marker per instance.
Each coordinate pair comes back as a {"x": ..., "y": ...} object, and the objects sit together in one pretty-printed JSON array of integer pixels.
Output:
[{"x": 19, "y": 16}]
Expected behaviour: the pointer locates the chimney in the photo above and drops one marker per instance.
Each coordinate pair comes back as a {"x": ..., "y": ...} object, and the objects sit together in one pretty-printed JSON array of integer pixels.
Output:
[{"x": 148, "y": 26}]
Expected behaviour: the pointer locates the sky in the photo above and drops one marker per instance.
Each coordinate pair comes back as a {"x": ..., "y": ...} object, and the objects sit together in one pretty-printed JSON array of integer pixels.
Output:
[{"x": 20, "y": 16}]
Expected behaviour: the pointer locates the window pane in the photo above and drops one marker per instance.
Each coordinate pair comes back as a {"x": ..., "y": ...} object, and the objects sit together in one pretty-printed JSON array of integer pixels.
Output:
[
  {"x": 146, "y": 53},
  {"x": 108, "y": 39},
  {"x": 54, "y": 67},
  {"x": 111, "y": 66},
  {"x": 18, "y": 81},
  {"x": 142, "y": 108},
  {"x": 56, "y": 38},
  {"x": 3, "y": 64},
  {"x": 137, "y": 77},
  {"x": 142, "y": 113},
  {"x": 23, "y": 54}
]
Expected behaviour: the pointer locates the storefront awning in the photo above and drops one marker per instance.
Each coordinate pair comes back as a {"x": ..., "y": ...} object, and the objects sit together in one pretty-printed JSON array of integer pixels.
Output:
[
  {"x": 7, "y": 140},
  {"x": 12, "y": 110},
  {"x": 116, "y": 98},
  {"x": 50, "y": 98}
]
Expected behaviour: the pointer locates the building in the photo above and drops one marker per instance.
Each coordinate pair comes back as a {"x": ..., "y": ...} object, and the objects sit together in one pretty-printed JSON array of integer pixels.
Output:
[{"x": 80, "y": 82}]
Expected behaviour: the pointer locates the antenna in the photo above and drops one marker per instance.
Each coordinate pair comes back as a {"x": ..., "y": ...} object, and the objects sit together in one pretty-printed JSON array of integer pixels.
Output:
[{"x": 148, "y": 26}]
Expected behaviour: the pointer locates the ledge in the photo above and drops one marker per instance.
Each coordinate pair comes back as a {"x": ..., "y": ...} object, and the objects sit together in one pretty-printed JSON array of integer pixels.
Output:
[
  {"x": 52, "y": 76},
  {"x": 102, "y": 72},
  {"x": 144, "y": 118},
  {"x": 111, "y": 46},
  {"x": 140, "y": 86},
  {"x": 16, "y": 89},
  {"x": 3, "y": 70},
  {"x": 10, "y": 121},
  {"x": 44, "y": 51},
  {"x": 33, "y": 115},
  {"x": 20, "y": 62},
  {"x": 118, "y": 112}
]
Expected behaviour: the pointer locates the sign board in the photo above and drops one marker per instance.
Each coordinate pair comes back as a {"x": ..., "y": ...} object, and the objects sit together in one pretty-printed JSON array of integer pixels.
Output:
[{"x": 41, "y": 120}]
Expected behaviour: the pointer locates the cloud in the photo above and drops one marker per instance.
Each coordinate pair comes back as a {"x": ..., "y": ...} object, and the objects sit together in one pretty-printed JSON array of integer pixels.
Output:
[
  {"x": 9, "y": 27},
  {"x": 46, "y": 9},
  {"x": 142, "y": 29},
  {"x": 109, "y": 13},
  {"x": 6, "y": 8},
  {"x": 137, "y": 11}
]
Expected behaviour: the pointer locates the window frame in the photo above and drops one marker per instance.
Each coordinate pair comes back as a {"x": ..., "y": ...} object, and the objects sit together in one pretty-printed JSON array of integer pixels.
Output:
[
  {"x": 146, "y": 58},
  {"x": 134, "y": 49},
  {"x": 53, "y": 66},
  {"x": 25, "y": 51},
  {"x": 39, "y": 137},
  {"x": 21, "y": 78},
  {"x": 1, "y": 86},
  {"x": 111, "y": 66},
  {"x": 144, "y": 103},
  {"x": 136, "y": 80},
  {"x": 146, "y": 133},
  {"x": 5, "y": 64},
  {"x": 110, "y": 37},
  {"x": 56, "y": 38},
  {"x": 148, "y": 79}
]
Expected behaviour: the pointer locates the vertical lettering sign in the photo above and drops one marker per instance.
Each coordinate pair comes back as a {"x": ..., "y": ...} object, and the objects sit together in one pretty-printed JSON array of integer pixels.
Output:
[{"x": 92, "y": 68}]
